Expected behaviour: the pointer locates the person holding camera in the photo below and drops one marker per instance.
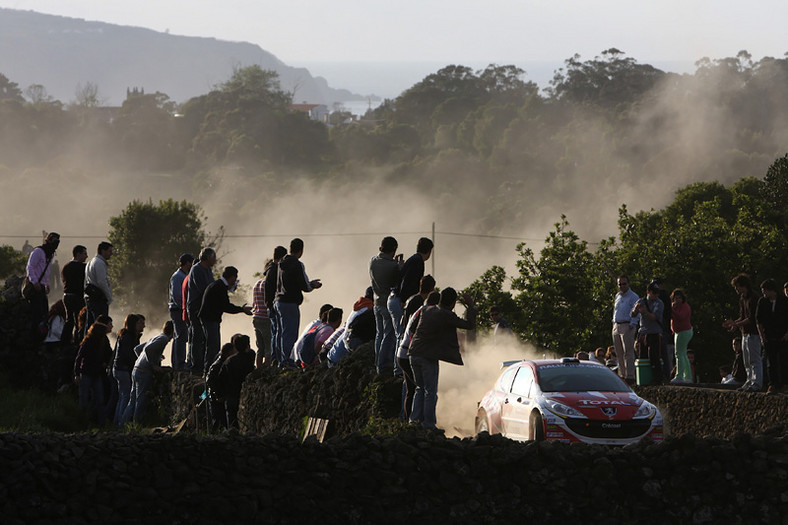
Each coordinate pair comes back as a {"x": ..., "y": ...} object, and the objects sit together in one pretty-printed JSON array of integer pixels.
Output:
[{"x": 649, "y": 340}]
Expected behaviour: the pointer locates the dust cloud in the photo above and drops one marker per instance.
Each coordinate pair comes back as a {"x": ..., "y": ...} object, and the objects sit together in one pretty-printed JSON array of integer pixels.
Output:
[{"x": 460, "y": 388}]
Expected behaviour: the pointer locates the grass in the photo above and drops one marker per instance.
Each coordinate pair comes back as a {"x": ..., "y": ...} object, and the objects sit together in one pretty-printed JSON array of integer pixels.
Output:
[{"x": 31, "y": 410}]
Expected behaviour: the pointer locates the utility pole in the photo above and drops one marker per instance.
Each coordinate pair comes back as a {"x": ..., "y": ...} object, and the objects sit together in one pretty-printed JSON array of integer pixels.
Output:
[{"x": 433, "y": 249}]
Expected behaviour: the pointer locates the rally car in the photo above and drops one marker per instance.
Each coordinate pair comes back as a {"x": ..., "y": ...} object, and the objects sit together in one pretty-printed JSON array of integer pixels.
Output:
[{"x": 566, "y": 400}]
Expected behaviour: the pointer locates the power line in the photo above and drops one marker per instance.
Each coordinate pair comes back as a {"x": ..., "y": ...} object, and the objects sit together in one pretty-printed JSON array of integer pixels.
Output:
[{"x": 323, "y": 234}]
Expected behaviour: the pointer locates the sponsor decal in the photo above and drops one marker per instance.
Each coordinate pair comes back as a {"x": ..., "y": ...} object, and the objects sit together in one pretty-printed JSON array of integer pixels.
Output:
[
  {"x": 611, "y": 425},
  {"x": 595, "y": 402},
  {"x": 555, "y": 434}
]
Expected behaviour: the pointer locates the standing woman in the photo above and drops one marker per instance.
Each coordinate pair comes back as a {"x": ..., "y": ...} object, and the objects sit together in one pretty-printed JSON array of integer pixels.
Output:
[
  {"x": 90, "y": 367},
  {"x": 128, "y": 339},
  {"x": 682, "y": 333}
]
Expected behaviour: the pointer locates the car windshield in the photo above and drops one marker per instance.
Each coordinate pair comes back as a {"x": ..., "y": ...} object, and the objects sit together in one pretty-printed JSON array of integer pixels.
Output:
[{"x": 574, "y": 378}]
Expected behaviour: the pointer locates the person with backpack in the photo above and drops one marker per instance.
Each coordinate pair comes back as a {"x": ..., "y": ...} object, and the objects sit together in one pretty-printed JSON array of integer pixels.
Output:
[{"x": 36, "y": 286}]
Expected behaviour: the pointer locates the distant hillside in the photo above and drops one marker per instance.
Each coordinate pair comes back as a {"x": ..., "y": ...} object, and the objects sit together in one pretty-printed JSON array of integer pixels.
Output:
[{"x": 60, "y": 52}]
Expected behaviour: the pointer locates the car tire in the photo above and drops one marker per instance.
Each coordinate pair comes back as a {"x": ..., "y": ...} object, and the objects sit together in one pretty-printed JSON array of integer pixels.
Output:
[
  {"x": 482, "y": 425},
  {"x": 537, "y": 426}
]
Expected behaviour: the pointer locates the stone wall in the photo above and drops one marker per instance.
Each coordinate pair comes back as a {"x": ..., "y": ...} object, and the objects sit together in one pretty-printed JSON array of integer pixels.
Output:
[{"x": 415, "y": 476}]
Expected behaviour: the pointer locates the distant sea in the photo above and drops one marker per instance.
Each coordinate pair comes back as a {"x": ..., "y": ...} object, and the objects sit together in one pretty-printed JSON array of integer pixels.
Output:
[{"x": 376, "y": 81}]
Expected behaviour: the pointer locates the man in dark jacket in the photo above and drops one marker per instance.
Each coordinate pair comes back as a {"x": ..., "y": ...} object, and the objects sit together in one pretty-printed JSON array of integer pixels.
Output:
[
  {"x": 216, "y": 302},
  {"x": 234, "y": 371},
  {"x": 772, "y": 317},
  {"x": 200, "y": 276},
  {"x": 291, "y": 284},
  {"x": 436, "y": 340},
  {"x": 271, "y": 281}
]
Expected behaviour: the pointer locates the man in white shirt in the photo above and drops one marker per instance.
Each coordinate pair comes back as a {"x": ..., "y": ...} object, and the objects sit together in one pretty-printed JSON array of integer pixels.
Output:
[
  {"x": 625, "y": 328},
  {"x": 98, "y": 293}
]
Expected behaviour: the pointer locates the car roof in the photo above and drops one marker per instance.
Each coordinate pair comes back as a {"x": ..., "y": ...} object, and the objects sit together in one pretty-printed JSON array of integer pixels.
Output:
[{"x": 550, "y": 362}]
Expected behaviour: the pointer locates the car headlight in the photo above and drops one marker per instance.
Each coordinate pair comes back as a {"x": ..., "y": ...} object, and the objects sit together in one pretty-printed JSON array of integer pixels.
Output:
[
  {"x": 645, "y": 410},
  {"x": 562, "y": 410}
]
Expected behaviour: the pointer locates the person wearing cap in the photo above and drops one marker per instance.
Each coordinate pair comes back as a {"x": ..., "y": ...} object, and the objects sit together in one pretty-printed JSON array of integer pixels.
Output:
[
  {"x": 650, "y": 309},
  {"x": 181, "y": 334}
]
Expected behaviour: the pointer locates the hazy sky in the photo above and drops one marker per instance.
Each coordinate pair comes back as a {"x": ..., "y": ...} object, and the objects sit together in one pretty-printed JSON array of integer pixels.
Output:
[{"x": 456, "y": 31}]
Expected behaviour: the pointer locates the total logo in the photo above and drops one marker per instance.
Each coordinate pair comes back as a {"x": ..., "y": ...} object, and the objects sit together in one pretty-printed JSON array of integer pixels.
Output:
[{"x": 597, "y": 402}]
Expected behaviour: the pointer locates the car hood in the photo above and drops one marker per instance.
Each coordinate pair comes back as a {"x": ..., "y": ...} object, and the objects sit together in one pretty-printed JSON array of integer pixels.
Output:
[{"x": 599, "y": 405}]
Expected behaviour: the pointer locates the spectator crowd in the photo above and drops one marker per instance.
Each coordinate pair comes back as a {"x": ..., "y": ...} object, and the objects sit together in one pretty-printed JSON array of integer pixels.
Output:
[{"x": 413, "y": 328}]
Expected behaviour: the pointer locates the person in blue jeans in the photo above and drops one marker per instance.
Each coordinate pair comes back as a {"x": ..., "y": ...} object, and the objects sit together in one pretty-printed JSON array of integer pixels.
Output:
[
  {"x": 292, "y": 282},
  {"x": 181, "y": 334},
  {"x": 90, "y": 368},
  {"x": 435, "y": 340},
  {"x": 148, "y": 363},
  {"x": 384, "y": 273},
  {"x": 123, "y": 362}
]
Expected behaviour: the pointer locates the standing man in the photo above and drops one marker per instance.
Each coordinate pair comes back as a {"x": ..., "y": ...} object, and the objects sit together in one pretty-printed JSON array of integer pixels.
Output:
[
  {"x": 410, "y": 278},
  {"x": 384, "y": 272},
  {"x": 292, "y": 282},
  {"x": 215, "y": 302},
  {"x": 271, "y": 283},
  {"x": 200, "y": 276},
  {"x": 624, "y": 328},
  {"x": 261, "y": 320},
  {"x": 750, "y": 340},
  {"x": 38, "y": 269},
  {"x": 772, "y": 316},
  {"x": 73, "y": 276},
  {"x": 651, "y": 310},
  {"x": 181, "y": 329},
  {"x": 98, "y": 293}
]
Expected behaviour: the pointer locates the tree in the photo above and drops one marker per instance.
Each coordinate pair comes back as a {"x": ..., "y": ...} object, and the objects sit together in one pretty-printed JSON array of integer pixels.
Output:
[
  {"x": 148, "y": 239},
  {"x": 9, "y": 90},
  {"x": 608, "y": 80},
  {"x": 87, "y": 96},
  {"x": 12, "y": 262}
]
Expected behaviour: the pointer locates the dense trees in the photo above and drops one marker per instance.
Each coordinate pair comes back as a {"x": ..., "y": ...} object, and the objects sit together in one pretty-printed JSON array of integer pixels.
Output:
[
  {"x": 707, "y": 235},
  {"x": 150, "y": 238}
]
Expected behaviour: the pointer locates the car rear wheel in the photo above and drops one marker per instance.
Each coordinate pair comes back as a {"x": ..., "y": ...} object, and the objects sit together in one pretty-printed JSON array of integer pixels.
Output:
[
  {"x": 537, "y": 426},
  {"x": 481, "y": 422}
]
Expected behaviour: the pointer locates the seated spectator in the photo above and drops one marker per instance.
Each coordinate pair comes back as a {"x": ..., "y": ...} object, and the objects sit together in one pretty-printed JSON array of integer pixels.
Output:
[
  {"x": 611, "y": 361},
  {"x": 361, "y": 323},
  {"x": 311, "y": 327},
  {"x": 738, "y": 371},
  {"x": 90, "y": 368},
  {"x": 336, "y": 340},
  {"x": 597, "y": 356},
  {"x": 232, "y": 375},
  {"x": 148, "y": 363},
  {"x": 726, "y": 377},
  {"x": 56, "y": 322},
  {"x": 581, "y": 355}
]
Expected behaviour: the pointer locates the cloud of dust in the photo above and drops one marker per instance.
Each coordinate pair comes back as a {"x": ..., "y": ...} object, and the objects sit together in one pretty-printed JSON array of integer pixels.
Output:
[{"x": 460, "y": 388}]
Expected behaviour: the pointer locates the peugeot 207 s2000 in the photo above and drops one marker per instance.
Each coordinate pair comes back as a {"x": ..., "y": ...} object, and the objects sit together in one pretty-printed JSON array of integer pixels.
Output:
[{"x": 566, "y": 400}]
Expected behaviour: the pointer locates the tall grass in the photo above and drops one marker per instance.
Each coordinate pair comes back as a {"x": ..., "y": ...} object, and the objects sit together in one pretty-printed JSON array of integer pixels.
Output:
[{"x": 32, "y": 410}]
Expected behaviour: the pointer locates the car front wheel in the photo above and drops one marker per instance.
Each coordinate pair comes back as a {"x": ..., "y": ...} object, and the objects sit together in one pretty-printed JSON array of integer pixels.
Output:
[{"x": 537, "y": 426}]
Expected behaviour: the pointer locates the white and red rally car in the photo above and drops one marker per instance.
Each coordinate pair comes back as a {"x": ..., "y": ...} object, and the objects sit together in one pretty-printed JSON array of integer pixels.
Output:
[{"x": 566, "y": 400}]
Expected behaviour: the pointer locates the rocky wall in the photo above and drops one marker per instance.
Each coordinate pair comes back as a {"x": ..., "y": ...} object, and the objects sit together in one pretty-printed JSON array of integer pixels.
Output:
[{"x": 412, "y": 477}]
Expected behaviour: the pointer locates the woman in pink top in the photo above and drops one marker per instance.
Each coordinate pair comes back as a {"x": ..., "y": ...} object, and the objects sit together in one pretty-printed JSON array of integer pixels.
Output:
[{"x": 682, "y": 333}]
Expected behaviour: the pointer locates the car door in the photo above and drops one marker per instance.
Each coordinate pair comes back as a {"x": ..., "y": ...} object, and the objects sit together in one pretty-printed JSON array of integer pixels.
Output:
[{"x": 517, "y": 405}]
